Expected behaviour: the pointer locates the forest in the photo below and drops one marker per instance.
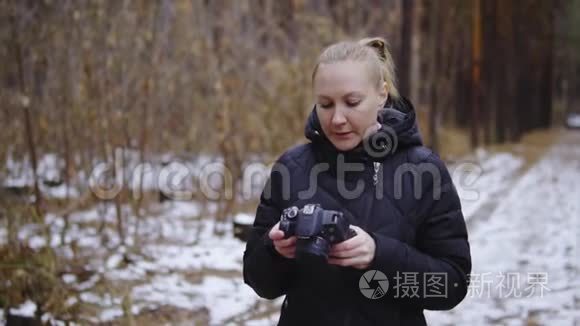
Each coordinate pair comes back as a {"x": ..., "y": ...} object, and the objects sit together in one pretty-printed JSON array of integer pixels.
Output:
[{"x": 103, "y": 101}]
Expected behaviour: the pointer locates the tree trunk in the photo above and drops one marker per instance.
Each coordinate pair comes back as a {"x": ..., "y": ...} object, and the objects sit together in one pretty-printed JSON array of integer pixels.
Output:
[
  {"x": 434, "y": 29},
  {"x": 28, "y": 128},
  {"x": 476, "y": 73},
  {"x": 404, "y": 64}
]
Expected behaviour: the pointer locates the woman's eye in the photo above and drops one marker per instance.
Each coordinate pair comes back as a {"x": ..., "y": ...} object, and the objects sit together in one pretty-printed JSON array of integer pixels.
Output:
[
  {"x": 325, "y": 105},
  {"x": 353, "y": 104}
]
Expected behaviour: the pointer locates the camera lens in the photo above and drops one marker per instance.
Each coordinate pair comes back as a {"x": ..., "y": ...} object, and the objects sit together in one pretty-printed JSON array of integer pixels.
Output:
[{"x": 312, "y": 250}]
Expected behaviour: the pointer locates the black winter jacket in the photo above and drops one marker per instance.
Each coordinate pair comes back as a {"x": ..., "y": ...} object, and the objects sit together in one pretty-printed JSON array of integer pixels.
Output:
[{"x": 411, "y": 210}]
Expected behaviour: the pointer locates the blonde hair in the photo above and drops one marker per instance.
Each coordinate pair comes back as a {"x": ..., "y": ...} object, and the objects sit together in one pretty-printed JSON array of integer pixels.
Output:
[{"x": 372, "y": 50}]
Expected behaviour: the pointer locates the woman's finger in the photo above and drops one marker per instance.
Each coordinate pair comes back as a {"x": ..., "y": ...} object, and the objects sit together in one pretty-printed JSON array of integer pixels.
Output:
[
  {"x": 275, "y": 233},
  {"x": 285, "y": 242},
  {"x": 288, "y": 253},
  {"x": 349, "y": 244},
  {"x": 347, "y": 253}
]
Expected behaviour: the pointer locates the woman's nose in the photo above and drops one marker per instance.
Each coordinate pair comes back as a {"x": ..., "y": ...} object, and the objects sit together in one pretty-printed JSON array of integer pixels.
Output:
[{"x": 338, "y": 118}]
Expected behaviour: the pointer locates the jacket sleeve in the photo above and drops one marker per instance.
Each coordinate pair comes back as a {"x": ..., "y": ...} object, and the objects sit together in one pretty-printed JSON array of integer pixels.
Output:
[
  {"x": 264, "y": 269},
  {"x": 441, "y": 253}
]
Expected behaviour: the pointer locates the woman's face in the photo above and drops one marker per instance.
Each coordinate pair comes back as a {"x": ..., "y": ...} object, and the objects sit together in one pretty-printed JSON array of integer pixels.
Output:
[{"x": 348, "y": 101}]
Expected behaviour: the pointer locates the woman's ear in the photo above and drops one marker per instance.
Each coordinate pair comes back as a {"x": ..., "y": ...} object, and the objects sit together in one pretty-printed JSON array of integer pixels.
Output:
[
  {"x": 383, "y": 100},
  {"x": 383, "y": 94}
]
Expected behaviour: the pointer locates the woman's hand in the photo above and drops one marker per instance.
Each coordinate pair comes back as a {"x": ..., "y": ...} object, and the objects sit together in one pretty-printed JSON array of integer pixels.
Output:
[
  {"x": 285, "y": 247},
  {"x": 358, "y": 251}
]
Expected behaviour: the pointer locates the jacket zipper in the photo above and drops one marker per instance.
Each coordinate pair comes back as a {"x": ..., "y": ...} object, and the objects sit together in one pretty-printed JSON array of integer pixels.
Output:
[{"x": 377, "y": 167}]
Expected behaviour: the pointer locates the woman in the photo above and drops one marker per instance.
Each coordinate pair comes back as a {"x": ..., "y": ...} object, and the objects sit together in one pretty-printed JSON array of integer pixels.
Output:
[{"x": 365, "y": 159}]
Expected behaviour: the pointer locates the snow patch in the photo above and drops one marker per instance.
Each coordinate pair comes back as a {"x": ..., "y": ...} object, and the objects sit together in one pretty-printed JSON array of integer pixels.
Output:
[
  {"x": 243, "y": 218},
  {"x": 27, "y": 309}
]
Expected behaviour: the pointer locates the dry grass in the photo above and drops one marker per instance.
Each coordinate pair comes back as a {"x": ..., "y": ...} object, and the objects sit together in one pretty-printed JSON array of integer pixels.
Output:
[
  {"x": 167, "y": 315},
  {"x": 454, "y": 143},
  {"x": 532, "y": 146}
]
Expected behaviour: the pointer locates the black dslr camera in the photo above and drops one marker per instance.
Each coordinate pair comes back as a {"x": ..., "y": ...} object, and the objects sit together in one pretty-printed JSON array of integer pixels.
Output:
[{"x": 316, "y": 229}]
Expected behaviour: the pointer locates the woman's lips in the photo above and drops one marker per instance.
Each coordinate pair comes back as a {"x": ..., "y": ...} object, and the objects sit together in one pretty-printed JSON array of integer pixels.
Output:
[{"x": 343, "y": 134}]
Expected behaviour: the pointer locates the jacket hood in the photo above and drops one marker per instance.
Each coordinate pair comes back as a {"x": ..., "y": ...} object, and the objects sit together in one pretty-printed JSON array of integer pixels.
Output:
[{"x": 398, "y": 131}]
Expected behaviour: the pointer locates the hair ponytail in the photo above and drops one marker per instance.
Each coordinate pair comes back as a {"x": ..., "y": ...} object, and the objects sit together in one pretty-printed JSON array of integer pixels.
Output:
[
  {"x": 378, "y": 44},
  {"x": 380, "y": 47}
]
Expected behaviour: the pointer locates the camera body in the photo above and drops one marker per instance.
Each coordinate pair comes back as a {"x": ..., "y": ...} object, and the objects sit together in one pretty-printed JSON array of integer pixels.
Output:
[{"x": 316, "y": 229}]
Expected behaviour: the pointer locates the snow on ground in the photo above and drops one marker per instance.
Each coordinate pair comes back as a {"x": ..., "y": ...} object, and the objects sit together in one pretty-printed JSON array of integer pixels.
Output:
[
  {"x": 530, "y": 239},
  {"x": 225, "y": 297},
  {"x": 26, "y": 309},
  {"x": 175, "y": 242},
  {"x": 19, "y": 174},
  {"x": 174, "y": 175},
  {"x": 190, "y": 247},
  {"x": 525, "y": 256},
  {"x": 480, "y": 180}
]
